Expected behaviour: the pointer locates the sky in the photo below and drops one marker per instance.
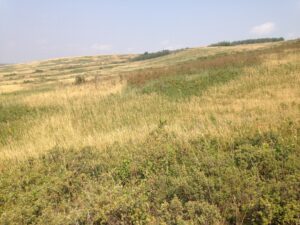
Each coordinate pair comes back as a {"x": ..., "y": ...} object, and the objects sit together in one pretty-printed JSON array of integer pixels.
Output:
[{"x": 36, "y": 30}]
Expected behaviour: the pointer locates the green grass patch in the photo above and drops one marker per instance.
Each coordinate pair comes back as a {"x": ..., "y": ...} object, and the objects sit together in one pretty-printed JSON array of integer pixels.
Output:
[
  {"x": 14, "y": 112},
  {"x": 27, "y": 92},
  {"x": 182, "y": 86},
  {"x": 16, "y": 118}
]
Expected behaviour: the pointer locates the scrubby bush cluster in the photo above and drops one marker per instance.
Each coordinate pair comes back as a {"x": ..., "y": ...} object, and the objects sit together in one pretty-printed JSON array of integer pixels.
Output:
[
  {"x": 152, "y": 55},
  {"x": 248, "y": 41},
  {"x": 253, "y": 179}
]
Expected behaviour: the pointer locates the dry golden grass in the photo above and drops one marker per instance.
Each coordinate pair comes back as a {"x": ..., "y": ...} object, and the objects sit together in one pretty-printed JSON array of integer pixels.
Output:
[{"x": 104, "y": 113}]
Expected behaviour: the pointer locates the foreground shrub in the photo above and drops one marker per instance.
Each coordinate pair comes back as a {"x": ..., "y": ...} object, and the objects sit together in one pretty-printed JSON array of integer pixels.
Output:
[{"x": 252, "y": 180}]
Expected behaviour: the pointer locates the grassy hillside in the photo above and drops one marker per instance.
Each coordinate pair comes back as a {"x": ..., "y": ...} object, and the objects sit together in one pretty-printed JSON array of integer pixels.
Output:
[{"x": 200, "y": 136}]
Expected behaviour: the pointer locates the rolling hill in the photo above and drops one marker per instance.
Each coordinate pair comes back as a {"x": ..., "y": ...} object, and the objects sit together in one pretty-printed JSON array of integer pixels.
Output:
[{"x": 200, "y": 136}]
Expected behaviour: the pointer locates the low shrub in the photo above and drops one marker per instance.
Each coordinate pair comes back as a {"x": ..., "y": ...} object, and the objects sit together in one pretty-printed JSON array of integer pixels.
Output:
[
  {"x": 253, "y": 180},
  {"x": 79, "y": 80}
]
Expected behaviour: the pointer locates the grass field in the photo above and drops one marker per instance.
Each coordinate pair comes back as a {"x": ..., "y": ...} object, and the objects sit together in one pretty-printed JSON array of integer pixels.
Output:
[{"x": 200, "y": 136}]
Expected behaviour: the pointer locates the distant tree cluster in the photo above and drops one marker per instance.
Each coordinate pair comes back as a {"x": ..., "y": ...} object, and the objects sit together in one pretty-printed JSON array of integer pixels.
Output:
[
  {"x": 152, "y": 55},
  {"x": 248, "y": 41}
]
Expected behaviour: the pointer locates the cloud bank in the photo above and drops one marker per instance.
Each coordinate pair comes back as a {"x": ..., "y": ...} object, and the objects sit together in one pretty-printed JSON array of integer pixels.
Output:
[{"x": 263, "y": 29}]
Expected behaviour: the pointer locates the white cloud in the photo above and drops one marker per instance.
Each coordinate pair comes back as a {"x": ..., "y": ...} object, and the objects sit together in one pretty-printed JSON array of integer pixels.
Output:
[
  {"x": 101, "y": 47},
  {"x": 263, "y": 29}
]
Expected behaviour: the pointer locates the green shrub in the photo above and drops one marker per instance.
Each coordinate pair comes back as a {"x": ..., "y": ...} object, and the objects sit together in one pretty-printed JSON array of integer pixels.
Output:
[
  {"x": 163, "y": 180},
  {"x": 152, "y": 55},
  {"x": 79, "y": 80}
]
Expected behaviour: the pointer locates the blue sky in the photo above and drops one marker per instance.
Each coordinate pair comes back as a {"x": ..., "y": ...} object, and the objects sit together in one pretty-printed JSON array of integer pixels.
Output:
[{"x": 42, "y": 29}]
